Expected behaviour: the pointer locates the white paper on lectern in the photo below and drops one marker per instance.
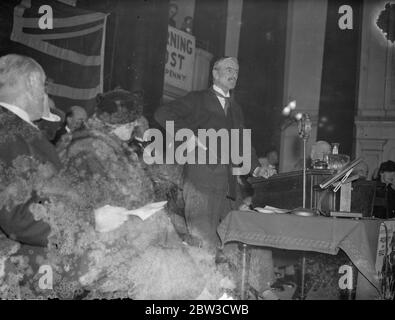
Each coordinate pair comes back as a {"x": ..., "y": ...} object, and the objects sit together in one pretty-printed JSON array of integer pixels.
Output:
[{"x": 269, "y": 209}]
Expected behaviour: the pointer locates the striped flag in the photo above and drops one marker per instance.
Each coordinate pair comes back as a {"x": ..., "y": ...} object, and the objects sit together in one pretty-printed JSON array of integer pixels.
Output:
[{"x": 71, "y": 53}]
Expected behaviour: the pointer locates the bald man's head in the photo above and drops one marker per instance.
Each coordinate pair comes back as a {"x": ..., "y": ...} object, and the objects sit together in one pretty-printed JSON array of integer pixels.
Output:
[
  {"x": 22, "y": 83},
  {"x": 76, "y": 118}
]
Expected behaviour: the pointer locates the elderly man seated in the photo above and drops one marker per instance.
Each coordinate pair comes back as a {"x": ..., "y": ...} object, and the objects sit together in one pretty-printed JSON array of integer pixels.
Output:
[{"x": 22, "y": 101}]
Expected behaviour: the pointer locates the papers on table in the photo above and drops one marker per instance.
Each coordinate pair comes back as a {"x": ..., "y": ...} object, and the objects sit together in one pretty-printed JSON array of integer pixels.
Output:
[{"x": 269, "y": 209}]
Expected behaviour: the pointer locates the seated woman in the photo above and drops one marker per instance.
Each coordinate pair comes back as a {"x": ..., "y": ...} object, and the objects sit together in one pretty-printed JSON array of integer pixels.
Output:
[
  {"x": 141, "y": 259},
  {"x": 386, "y": 176}
]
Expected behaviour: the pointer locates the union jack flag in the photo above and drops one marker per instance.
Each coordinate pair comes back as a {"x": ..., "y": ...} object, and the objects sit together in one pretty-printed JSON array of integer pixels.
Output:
[{"x": 71, "y": 53}]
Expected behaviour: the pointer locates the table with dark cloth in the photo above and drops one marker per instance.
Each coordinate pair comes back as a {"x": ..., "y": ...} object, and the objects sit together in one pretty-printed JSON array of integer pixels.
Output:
[{"x": 357, "y": 238}]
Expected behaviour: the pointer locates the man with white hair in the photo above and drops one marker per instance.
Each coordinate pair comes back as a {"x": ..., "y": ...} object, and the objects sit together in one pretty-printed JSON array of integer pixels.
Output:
[{"x": 23, "y": 101}]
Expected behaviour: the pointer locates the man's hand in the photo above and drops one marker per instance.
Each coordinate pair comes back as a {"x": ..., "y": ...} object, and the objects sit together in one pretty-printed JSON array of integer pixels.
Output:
[{"x": 194, "y": 142}]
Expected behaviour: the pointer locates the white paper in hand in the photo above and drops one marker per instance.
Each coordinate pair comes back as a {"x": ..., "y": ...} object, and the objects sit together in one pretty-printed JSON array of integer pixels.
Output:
[
  {"x": 148, "y": 210},
  {"x": 108, "y": 218}
]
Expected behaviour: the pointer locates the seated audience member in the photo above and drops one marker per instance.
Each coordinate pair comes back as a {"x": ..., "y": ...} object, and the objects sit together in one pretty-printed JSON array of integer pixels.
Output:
[
  {"x": 22, "y": 101},
  {"x": 386, "y": 175},
  {"x": 362, "y": 170},
  {"x": 173, "y": 9},
  {"x": 75, "y": 120},
  {"x": 187, "y": 24},
  {"x": 319, "y": 150},
  {"x": 377, "y": 173},
  {"x": 387, "y": 172},
  {"x": 270, "y": 159}
]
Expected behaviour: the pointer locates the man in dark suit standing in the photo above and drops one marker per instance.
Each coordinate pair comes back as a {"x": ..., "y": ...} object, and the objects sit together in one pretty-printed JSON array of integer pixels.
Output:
[{"x": 209, "y": 190}]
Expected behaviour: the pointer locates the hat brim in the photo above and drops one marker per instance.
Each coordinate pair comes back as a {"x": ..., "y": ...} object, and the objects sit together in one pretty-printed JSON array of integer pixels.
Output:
[{"x": 51, "y": 117}]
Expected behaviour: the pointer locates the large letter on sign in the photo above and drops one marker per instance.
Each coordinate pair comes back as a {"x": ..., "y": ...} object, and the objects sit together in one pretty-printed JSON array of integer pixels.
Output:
[
  {"x": 345, "y": 281},
  {"x": 345, "y": 21},
  {"x": 45, "y": 21},
  {"x": 46, "y": 280}
]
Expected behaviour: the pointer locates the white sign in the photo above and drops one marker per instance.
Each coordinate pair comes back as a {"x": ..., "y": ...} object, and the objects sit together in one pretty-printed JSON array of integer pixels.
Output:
[{"x": 180, "y": 59}]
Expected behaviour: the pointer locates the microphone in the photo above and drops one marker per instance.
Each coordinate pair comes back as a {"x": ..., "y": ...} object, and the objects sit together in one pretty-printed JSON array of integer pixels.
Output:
[{"x": 304, "y": 126}]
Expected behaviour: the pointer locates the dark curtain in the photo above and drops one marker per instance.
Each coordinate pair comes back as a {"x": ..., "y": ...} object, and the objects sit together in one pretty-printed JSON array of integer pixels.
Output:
[
  {"x": 261, "y": 77},
  {"x": 6, "y": 20},
  {"x": 210, "y": 25},
  {"x": 139, "y": 56},
  {"x": 340, "y": 72},
  {"x": 135, "y": 44}
]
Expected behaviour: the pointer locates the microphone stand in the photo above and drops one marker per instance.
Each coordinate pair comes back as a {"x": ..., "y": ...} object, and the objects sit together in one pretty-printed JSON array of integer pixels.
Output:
[
  {"x": 304, "y": 129},
  {"x": 304, "y": 173}
]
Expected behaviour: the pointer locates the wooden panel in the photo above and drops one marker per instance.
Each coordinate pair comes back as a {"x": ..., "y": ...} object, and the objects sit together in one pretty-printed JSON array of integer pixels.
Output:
[{"x": 362, "y": 197}]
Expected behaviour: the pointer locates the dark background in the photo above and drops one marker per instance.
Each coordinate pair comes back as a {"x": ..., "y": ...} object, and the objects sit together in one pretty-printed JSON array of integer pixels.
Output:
[
  {"x": 340, "y": 74},
  {"x": 135, "y": 57}
]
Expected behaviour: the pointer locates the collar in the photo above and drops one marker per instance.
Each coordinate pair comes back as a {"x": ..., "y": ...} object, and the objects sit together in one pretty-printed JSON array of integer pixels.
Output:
[
  {"x": 219, "y": 90},
  {"x": 18, "y": 112}
]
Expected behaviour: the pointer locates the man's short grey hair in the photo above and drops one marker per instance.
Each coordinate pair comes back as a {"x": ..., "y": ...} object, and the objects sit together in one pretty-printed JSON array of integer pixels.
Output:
[
  {"x": 14, "y": 68},
  {"x": 220, "y": 60}
]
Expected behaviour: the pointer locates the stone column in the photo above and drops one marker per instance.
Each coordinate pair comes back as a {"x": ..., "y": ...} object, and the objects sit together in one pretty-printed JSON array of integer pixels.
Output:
[
  {"x": 303, "y": 69},
  {"x": 233, "y": 25}
]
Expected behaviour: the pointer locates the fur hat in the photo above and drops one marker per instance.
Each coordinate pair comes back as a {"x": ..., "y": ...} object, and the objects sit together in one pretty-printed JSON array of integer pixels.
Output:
[
  {"x": 388, "y": 166},
  {"x": 119, "y": 106}
]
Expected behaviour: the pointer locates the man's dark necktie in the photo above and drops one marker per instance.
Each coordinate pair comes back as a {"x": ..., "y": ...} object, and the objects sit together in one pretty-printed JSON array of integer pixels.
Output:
[{"x": 227, "y": 101}]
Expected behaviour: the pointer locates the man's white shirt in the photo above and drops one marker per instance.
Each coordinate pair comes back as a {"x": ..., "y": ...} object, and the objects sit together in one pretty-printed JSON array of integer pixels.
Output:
[{"x": 221, "y": 100}]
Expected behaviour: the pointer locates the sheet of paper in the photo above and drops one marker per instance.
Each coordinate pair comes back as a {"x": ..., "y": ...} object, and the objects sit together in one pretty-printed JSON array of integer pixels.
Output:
[
  {"x": 148, "y": 210},
  {"x": 269, "y": 209}
]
